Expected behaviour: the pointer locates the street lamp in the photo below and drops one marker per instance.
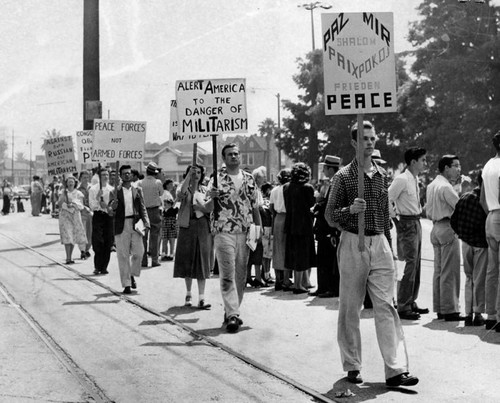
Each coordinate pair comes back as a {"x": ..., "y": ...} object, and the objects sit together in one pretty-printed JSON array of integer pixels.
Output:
[{"x": 311, "y": 7}]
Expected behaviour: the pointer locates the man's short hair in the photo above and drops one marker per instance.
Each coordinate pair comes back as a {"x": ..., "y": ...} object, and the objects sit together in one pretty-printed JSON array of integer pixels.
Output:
[
  {"x": 100, "y": 171},
  {"x": 123, "y": 167},
  {"x": 446, "y": 161},
  {"x": 354, "y": 129},
  {"x": 414, "y": 153},
  {"x": 230, "y": 145},
  {"x": 496, "y": 140}
]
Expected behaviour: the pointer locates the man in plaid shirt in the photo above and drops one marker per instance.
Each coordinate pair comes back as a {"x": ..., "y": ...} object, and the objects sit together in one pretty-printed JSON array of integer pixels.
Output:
[
  {"x": 372, "y": 269},
  {"x": 468, "y": 221}
]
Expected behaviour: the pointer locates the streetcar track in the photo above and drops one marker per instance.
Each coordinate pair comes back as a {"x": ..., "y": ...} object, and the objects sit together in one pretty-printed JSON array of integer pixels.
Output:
[
  {"x": 195, "y": 334},
  {"x": 90, "y": 388}
]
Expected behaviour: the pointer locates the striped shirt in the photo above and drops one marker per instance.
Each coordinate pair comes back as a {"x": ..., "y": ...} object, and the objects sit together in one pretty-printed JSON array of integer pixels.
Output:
[
  {"x": 152, "y": 190},
  {"x": 343, "y": 191}
]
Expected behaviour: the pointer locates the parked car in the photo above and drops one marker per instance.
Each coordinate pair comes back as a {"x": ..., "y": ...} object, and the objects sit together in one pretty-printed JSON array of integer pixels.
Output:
[{"x": 21, "y": 191}]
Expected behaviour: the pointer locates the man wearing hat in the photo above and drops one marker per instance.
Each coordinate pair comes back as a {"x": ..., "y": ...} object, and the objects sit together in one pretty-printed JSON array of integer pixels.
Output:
[
  {"x": 152, "y": 189},
  {"x": 327, "y": 237}
]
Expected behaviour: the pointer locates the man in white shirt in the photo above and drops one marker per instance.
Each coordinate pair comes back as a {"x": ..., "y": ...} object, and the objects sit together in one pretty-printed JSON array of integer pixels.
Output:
[
  {"x": 441, "y": 202},
  {"x": 102, "y": 222},
  {"x": 129, "y": 208},
  {"x": 404, "y": 197},
  {"x": 490, "y": 196}
]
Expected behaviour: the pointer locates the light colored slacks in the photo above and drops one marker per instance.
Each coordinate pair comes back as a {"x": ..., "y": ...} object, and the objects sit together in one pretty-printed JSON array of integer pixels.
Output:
[
  {"x": 372, "y": 270},
  {"x": 129, "y": 251},
  {"x": 446, "y": 278},
  {"x": 232, "y": 253},
  {"x": 475, "y": 264},
  {"x": 492, "y": 278}
]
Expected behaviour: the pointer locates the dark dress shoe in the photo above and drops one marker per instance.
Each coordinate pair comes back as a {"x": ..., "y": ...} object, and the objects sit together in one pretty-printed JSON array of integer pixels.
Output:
[
  {"x": 490, "y": 323},
  {"x": 104, "y": 271},
  {"x": 354, "y": 377},
  {"x": 404, "y": 379},
  {"x": 421, "y": 311},
  {"x": 203, "y": 305},
  {"x": 409, "y": 315},
  {"x": 97, "y": 271},
  {"x": 155, "y": 264},
  {"x": 469, "y": 320},
  {"x": 233, "y": 324},
  {"x": 286, "y": 288},
  {"x": 440, "y": 316},
  {"x": 133, "y": 283},
  {"x": 299, "y": 291},
  {"x": 127, "y": 290},
  {"x": 314, "y": 293},
  {"x": 327, "y": 294},
  {"x": 478, "y": 320},
  {"x": 453, "y": 317},
  {"x": 278, "y": 287}
]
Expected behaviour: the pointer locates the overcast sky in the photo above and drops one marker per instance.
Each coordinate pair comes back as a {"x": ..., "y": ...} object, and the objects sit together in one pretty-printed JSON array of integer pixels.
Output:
[{"x": 145, "y": 46}]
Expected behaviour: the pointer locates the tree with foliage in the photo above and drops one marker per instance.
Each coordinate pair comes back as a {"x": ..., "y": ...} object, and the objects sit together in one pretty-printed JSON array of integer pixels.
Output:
[
  {"x": 452, "y": 104},
  {"x": 20, "y": 157},
  {"x": 50, "y": 134}
]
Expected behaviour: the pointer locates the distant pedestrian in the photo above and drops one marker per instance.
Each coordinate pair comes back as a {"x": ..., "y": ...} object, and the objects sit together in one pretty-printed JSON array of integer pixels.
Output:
[
  {"x": 441, "y": 201},
  {"x": 86, "y": 213},
  {"x": 405, "y": 208},
  {"x": 300, "y": 253},
  {"x": 169, "y": 230},
  {"x": 36, "y": 196},
  {"x": 371, "y": 269},
  {"x": 469, "y": 221},
  {"x": 71, "y": 229},
  {"x": 7, "y": 195},
  {"x": 152, "y": 189},
  {"x": 235, "y": 209},
  {"x": 278, "y": 210},
  {"x": 327, "y": 237}
]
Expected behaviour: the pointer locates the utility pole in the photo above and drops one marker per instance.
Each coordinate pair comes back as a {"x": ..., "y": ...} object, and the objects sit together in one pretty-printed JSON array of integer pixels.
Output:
[
  {"x": 12, "y": 163},
  {"x": 311, "y": 6},
  {"x": 279, "y": 131},
  {"x": 92, "y": 108}
]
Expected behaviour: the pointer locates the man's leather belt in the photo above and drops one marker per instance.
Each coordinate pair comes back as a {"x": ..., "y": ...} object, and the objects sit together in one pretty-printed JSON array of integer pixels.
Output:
[
  {"x": 409, "y": 217},
  {"x": 129, "y": 216},
  {"x": 367, "y": 232}
]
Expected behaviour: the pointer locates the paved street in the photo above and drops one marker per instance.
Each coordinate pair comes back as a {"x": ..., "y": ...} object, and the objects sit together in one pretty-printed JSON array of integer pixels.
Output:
[{"x": 121, "y": 352}]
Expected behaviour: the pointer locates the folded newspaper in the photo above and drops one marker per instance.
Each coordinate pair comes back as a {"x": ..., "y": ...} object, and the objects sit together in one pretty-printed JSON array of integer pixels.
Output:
[{"x": 252, "y": 236}]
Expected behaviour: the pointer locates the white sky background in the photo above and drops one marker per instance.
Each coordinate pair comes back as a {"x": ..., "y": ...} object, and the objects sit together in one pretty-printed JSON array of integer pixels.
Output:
[{"x": 145, "y": 46}]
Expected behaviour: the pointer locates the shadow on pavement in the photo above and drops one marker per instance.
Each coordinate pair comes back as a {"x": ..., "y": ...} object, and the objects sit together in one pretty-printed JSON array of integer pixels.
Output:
[
  {"x": 487, "y": 336},
  {"x": 364, "y": 391}
]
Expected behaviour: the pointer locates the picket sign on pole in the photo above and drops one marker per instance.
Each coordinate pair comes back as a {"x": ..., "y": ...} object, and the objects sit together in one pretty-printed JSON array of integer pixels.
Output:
[
  {"x": 361, "y": 181},
  {"x": 359, "y": 68}
]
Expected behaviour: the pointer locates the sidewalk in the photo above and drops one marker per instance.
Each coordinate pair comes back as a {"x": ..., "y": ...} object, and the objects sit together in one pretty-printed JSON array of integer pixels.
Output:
[{"x": 295, "y": 335}]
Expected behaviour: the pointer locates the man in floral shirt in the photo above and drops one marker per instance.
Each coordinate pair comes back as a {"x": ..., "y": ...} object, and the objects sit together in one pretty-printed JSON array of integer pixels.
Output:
[{"x": 234, "y": 209}]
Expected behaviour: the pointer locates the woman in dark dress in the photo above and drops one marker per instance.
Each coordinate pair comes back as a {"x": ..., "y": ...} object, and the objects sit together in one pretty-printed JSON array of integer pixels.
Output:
[
  {"x": 300, "y": 253},
  {"x": 7, "y": 194},
  {"x": 194, "y": 255}
]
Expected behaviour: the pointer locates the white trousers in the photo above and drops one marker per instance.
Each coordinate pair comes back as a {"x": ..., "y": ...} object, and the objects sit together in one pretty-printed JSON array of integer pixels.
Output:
[{"x": 372, "y": 270}]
